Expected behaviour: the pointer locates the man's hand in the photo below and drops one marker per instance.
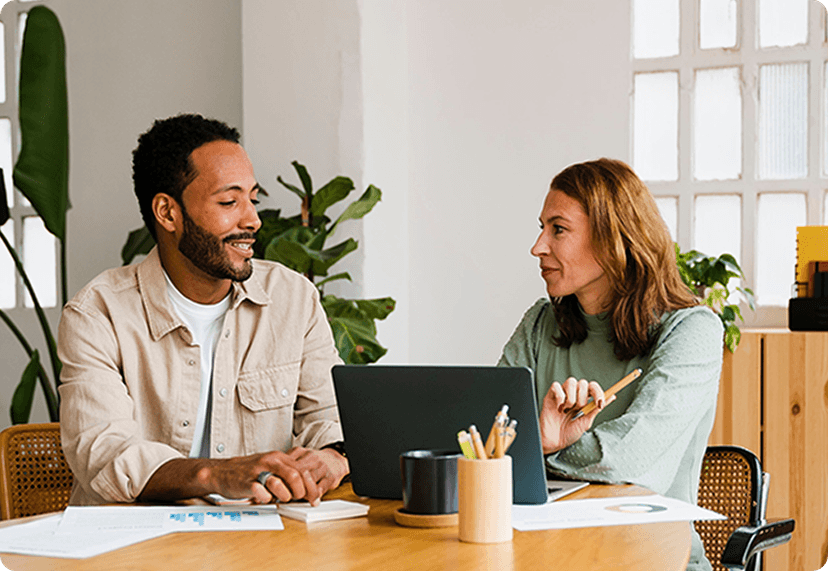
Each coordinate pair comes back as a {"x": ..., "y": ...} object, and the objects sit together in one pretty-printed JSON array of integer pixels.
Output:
[
  {"x": 327, "y": 467},
  {"x": 294, "y": 477},
  {"x": 558, "y": 423}
]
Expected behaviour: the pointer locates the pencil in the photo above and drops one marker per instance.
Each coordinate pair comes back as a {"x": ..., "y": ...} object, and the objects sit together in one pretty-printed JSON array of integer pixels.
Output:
[
  {"x": 511, "y": 432},
  {"x": 499, "y": 421},
  {"x": 466, "y": 445},
  {"x": 477, "y": 443},
  {"x": 590, "y": 406}
]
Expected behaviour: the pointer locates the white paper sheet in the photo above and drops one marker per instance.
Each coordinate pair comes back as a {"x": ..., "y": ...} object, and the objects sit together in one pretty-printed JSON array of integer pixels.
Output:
[
  {"x": 40, "y": 537},
  {"x": 169, "y": 519},
  {"x": 624, "y": 510}
]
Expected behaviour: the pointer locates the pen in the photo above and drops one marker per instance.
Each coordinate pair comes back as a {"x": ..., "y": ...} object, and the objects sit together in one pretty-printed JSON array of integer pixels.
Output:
[
  {"x": 511, "y": 432},
  {"x": 466, "y": 444},
  {"x": 499, "y": 421},
  {"x": 477, "y": 443},
  {"x": 590, "y": 406}
]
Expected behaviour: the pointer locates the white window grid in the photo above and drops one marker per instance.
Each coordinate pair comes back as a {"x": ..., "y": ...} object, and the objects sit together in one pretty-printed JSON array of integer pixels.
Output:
[
  {"x": 12, "y": 16},
  {"x": 748, "y": 57}
]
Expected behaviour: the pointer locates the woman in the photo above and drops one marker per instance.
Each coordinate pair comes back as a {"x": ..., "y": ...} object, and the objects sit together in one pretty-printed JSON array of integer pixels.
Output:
[{"x": 617, "y": 303}]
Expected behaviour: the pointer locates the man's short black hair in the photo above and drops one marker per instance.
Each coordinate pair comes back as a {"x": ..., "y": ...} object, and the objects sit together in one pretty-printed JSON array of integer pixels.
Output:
[{"x": 161, "y": 161}]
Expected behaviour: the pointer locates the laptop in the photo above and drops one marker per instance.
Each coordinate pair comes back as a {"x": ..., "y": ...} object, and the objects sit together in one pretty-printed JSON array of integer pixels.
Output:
[{"x": 388, "y": 409}]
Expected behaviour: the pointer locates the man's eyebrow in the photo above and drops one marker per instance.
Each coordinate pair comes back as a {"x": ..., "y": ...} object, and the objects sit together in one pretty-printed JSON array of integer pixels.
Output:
[{"x": 256, "y": 187}]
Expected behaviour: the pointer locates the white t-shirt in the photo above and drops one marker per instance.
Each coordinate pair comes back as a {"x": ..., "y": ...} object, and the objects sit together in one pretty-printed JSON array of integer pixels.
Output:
[{"x": 204, "y": 322}]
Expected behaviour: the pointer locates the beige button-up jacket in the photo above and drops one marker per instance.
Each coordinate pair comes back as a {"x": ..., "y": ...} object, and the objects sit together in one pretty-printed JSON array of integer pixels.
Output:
[{"x": 131, "y": 376}]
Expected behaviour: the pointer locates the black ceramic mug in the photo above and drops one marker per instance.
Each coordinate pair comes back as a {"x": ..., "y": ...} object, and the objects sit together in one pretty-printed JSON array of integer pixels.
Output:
[{"x": 429, "y": 481}]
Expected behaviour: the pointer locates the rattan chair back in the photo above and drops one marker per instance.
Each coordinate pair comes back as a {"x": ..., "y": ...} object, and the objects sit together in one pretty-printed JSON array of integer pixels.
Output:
[
  {"x": 730, "y": 484},
  {"x": 34, "y": 475}
]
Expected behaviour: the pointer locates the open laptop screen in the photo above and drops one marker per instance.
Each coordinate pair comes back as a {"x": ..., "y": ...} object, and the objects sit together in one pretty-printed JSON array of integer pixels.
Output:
[{"x": 388, "y": 409}]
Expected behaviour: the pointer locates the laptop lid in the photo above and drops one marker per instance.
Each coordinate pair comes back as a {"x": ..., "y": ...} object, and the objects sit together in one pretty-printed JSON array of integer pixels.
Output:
[{"x": 388, "y": 409}]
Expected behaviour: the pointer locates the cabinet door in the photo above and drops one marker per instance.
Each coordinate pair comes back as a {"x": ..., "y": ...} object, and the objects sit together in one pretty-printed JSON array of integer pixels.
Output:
[
  {"x": 796, "y": 444},
  {"x": 740, "y": 396}
]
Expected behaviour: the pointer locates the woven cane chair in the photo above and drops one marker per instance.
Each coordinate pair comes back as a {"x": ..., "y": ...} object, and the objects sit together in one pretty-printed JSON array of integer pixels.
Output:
[
  {"x": 732, "y": 483},
  {"x": 34, "y": 475}
]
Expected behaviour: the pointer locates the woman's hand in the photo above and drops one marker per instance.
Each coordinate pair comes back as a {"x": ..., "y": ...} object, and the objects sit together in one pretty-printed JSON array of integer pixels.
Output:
[{"x": 559, "y": 426}]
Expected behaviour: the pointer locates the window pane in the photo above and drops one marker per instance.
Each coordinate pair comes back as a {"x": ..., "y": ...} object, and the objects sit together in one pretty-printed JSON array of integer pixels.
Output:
[
  {"x": 825, "y": 123},
  {"x": 668, "y": 207},
  {"x": 2, "y": 63},
  {"x": 40, "y": 261},
  {"x": 655, "y": 28},
  {"x": 6, "y": 158},
  {"x": 783, "y": 121},
  {"x": 717, "y": 24},
  {"x": 717, "y": 124},
  {"x": 717, "y": 227},
  {"x": 655, "y": 126},
  {"x": 825, "y": 209},
  {"x": 783, "y": 22},
  {"x": 779, "y": 215},
  {"x": 8, "y": 275}
]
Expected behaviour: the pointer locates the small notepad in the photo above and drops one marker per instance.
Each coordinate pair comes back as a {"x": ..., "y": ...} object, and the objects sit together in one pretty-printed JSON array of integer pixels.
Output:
[{"x": 325, "y": 511}]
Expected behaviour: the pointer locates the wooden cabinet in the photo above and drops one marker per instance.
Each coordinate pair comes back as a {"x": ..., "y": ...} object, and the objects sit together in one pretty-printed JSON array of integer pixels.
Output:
[{"x": 773, "y": 399}]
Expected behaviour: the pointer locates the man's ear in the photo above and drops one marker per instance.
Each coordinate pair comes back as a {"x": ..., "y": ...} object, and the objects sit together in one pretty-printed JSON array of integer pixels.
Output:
[{"x": 167, "y": 212}]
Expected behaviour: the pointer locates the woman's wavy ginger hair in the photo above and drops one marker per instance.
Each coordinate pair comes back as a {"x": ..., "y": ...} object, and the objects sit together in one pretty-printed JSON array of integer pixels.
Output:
[{"x": 634, "y": 248}]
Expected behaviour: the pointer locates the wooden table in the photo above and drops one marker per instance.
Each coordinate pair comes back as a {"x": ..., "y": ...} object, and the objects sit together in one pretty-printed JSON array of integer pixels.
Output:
[{"x": 377, "y": 542}]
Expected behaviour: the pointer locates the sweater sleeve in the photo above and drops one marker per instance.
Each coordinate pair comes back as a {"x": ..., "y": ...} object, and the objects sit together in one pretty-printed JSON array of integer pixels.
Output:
[{"x": 647, "y": 443}]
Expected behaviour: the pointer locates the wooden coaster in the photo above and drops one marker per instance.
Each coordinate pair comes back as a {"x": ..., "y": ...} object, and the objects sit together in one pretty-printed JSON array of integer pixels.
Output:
[{"x": 421, "y": 520}]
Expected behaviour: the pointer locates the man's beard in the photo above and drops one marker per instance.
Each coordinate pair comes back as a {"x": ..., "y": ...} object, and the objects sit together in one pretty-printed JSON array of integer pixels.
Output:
[{"x": 206, "y": 251}]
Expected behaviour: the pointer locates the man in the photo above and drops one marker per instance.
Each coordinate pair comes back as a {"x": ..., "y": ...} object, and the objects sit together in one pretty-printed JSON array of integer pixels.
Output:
[{"x": 198, "y": 370}]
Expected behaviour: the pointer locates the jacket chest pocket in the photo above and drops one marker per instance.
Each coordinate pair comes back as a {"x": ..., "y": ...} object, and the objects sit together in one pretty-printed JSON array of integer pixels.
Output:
[{"x": 267, "y": 398}]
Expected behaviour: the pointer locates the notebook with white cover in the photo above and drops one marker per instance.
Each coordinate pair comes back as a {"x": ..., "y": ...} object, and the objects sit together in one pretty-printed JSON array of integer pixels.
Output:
[{"x": 325, "y": 511}]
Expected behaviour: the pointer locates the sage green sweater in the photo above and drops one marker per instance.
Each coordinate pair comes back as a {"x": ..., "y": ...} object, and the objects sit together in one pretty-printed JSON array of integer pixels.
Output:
[{"x": 655, "y": 433}]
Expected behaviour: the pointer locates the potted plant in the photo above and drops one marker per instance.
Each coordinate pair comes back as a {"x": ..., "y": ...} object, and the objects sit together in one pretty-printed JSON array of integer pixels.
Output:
[
  {"x": 299, "y": 242},
  {"x": 41, "y": 174},
  {"x": 709, "y": 278}
]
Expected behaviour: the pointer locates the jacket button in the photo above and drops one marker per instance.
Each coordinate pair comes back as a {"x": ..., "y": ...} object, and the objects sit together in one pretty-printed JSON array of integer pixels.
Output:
[
  {"x": 285, "y": 392},
  {"x": 185, "y": 423},
  {"x": 223, "y": 392},
  {"x": 220, "y": 448},
  {"x": 191, "y": 362}
]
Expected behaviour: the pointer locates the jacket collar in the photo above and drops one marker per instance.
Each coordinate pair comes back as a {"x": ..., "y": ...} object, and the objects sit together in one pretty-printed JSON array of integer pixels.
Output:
[{"x": 161, "y": 316}]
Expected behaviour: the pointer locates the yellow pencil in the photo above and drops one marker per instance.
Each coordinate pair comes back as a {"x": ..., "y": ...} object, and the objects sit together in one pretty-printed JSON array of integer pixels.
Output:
[
  {"x": 466, "y": 445},
  {"x": 590, "y": 406}
]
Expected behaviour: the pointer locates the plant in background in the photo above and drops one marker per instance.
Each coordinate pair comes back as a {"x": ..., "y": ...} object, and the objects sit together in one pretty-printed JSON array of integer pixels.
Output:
[
  {"x": 41, "y": 174},
  {"x": 298, "y": 242},
  {"x": 708, "y": 277}
]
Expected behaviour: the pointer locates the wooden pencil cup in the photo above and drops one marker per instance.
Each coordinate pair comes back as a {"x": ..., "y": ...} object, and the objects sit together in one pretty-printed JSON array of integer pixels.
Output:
[{"x": 485, "y": 499}]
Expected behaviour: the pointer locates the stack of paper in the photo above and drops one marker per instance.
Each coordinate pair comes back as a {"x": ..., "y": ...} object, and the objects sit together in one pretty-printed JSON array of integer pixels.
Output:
[{"x": 325, "y": 511}]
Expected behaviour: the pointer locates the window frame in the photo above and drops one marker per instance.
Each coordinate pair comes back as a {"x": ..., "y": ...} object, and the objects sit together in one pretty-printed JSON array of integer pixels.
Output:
[
  {"x": 748, "y": 57},
  {"x": 10, "y": 17}
]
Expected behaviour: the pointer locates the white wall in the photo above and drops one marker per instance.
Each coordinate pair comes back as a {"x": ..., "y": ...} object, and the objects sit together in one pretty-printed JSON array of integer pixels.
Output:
[
  {"x": 461, "y": 111},
  {"x": 465, "y": 111},
  {"x": 128, "y": 63}
]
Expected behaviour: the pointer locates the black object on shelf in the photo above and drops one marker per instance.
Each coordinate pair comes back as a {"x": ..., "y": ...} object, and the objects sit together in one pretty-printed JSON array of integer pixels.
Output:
[{"x": 808, "y": 314}]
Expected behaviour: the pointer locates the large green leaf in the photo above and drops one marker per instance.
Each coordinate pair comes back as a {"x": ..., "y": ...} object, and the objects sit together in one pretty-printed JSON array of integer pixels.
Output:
[
  {"x": 42, "y": 169},
  {"x": 292, "y": 254},
  {"x": 326, "y": 258},
  {"x": 21, "y": 404},
  {"x": 356, "y": 340},
  {"x": 360, "y": 207},
  {"x": 4, "y": 202},
  {"x": 336, "y": 190},
  {"x": 304, "y": 177},
  {"x": 378, "y": 308},
  {"x": 139, "y": 243}
]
